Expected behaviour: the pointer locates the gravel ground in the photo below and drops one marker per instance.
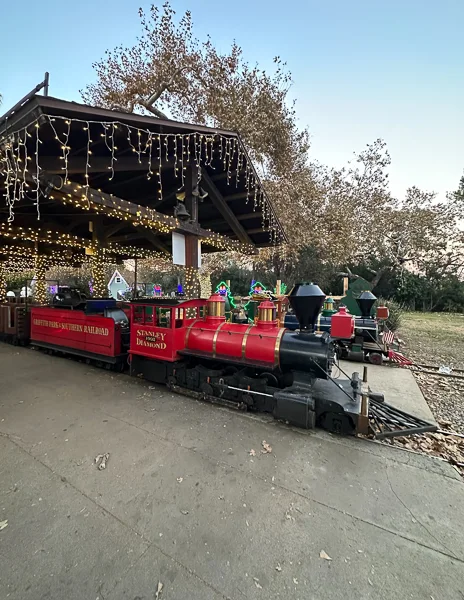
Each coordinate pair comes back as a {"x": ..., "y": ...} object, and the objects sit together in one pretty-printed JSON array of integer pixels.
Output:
[{"x": 438, "y": 339}]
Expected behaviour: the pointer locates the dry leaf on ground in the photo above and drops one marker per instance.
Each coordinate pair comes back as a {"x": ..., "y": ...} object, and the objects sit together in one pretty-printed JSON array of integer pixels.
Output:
[
  {"x": 324, "y": 555},
  {"x": 180, "y": 479},
  {"x": 101, "y": 460},
  {"x": 252, "y": 452},
  {"x": 159, "y": 589},
  {"x": 3, "y": 524},
  {"x": 267, "y": 449}
]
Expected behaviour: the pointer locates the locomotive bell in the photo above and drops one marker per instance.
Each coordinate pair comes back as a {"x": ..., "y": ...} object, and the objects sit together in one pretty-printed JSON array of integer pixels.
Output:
[
  {"x": 181, "y": 212},
  {"x": 306, "y": 299},
  {"x": 366, "y": 302}
]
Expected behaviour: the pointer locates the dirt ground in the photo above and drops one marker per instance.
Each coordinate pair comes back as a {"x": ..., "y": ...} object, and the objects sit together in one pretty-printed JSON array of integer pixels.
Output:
[{"x": 437, "y": 339}]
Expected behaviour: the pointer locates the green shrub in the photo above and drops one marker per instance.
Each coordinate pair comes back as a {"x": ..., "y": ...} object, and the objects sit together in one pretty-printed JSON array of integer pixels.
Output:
[{"x": 396, "y": 311}]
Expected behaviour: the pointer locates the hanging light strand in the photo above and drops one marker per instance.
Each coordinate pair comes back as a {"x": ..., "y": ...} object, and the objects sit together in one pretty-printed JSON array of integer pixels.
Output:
[{"x": 14, "y": 159}]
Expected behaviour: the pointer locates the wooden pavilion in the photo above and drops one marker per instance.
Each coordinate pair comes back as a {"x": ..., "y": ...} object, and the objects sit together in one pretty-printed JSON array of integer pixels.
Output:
[{"x": 79, "y": 180}]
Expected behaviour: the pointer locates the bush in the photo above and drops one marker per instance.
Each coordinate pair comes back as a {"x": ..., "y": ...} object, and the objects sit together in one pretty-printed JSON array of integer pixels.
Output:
[{"x": 396, "y": 311}]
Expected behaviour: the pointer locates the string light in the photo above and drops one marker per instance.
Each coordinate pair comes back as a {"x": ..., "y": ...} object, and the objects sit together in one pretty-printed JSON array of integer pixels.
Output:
[
  {"x": 19, "y": 169},
  {"x": 191, "y": 283},
  {"x": 144, "y": 217},
  {"x": 42, "y": 236},
  {"x": 230, "y": 152},
  {"x": 40, "y": 292},
  {"x": 98, "y": 274},
  {"x": 2, "y": 283},
  {"x": 205, "y": 285}
]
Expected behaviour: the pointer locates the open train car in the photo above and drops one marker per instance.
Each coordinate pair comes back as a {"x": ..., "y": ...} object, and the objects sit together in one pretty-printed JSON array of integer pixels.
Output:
[
  {"x": 96, "y": 330},
  {"x": 14, "y": 322}
]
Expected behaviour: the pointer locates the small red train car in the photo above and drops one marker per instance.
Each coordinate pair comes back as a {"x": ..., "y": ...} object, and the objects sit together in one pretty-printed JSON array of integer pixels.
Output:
[{"x": 102, "y": 336}]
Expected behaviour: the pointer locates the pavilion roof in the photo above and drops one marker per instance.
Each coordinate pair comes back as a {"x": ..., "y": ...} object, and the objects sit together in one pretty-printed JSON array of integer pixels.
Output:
[{"x": 125, "y": 170}]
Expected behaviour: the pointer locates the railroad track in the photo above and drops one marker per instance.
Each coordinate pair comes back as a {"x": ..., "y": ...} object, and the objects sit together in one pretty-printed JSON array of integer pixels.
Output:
[{"x": 434, "y": 370}]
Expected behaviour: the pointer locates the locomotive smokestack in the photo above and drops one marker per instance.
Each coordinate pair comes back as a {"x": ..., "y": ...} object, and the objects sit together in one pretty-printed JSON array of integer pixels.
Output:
[
  {"x": 366, "y": 302},
  {"x": 306, "y": 299}
]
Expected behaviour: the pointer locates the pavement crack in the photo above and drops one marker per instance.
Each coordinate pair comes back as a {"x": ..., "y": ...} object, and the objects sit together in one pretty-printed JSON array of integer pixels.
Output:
[{"x": 401, "y": 501}]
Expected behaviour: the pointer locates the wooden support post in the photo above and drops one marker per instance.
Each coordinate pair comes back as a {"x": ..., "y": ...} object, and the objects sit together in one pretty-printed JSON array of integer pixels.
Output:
[
  {"x": 191, "y": 183},
  {"x": 205, "y": 285},
  {"x": 192, "y": 281},
  {"x": 40, "y": 291},
  {"x": 363, "y": 419},
  {"x": 100, "y": 289},
  {"x": 134, "y": 293},
  {"x": 278, "y": 284},
  {"x": 2, "y": 283},
  {"x": 345, "y": 285}
]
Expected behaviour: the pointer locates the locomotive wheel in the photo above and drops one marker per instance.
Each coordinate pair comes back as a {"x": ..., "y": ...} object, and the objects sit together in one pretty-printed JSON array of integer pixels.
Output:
[
  {"x": 375, "y": 358},
  {"x": 338, "y": 423},
  {"x": 207, "y": 389},
  {"x": 247, "y": 400},
  {"x": 270, "y": 379},
  {"x": 171, "y": 381}
]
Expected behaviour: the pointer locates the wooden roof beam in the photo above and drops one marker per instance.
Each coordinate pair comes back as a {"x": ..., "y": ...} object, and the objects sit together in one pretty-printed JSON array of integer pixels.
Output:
[
  {"x": 244, "y": 217},
  {"x": 238, "y": 196},
  {"x": 221, "y": 205},
  {"x": 155, "y": 241},
  {"x": 220, "y": 176},
  {"x": 98, "y": 164},
  {"x": 134, "y": 212}
]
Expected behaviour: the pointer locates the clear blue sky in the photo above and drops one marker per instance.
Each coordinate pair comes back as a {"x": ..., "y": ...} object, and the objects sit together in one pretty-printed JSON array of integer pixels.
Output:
[{"x": 362, "y": 69}]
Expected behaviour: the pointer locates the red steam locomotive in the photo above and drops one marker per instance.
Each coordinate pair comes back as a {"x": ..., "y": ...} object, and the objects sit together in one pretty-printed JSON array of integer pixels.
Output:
[{"x": 190, "y": 346}]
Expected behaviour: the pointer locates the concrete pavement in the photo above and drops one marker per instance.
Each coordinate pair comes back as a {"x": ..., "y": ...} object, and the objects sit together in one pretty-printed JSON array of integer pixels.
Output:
[
  {"x": 183, "y": 502},
  {"x": 398, "y": 384}
]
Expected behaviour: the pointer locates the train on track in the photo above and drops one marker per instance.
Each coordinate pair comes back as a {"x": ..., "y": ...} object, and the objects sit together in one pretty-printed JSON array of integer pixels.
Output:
[
  {"x": 369, "y": 341},
  {"x": 191, "y": 347}
]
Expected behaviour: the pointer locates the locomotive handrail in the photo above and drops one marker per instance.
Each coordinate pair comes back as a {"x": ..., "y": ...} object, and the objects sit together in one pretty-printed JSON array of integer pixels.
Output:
[{"x": 262, "y": 335}]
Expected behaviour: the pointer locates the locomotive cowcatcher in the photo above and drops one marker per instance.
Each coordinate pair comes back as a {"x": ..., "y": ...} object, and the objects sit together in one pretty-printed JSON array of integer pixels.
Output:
[{"x": 262, "y": 367}]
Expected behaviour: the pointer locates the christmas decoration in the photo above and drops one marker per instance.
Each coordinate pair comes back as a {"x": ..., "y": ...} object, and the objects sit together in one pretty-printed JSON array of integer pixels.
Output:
[
  {"x": 257, "y": 288},
  {"x": 224, "y": 290}
]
